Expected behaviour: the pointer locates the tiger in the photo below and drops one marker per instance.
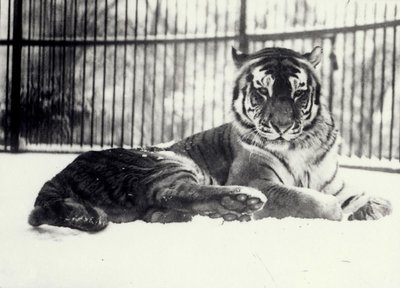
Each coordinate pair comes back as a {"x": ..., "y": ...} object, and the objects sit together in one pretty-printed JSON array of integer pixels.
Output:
[{"x": 278, "y": 157}]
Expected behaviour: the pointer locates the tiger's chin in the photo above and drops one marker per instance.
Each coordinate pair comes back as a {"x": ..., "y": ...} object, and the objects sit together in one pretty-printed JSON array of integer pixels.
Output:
[{"x": 278, "y": 142}]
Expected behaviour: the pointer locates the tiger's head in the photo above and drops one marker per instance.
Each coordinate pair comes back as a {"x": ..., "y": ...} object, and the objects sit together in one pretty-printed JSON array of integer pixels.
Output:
[{"x": 276, "y": 94}]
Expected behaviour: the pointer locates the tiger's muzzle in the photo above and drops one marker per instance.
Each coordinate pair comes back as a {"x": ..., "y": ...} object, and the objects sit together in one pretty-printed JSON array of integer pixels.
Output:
[{"x": 279, "y": 121}]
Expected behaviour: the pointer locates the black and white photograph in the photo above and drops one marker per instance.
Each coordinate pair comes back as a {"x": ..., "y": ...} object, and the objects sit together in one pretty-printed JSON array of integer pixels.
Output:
[{"x": 199, "y": 143}]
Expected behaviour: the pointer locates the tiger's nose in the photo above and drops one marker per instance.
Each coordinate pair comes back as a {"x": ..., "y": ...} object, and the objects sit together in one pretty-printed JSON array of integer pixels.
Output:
[
  {"x": 281, "y": 127},
  {"x": 282, "y": 115}
]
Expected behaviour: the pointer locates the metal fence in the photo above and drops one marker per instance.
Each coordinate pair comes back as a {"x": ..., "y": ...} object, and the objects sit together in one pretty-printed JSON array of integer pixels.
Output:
[{"x": 88, "y": 74}]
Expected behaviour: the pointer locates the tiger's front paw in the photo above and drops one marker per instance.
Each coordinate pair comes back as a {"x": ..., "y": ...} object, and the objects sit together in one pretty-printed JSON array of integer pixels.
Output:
[
  {"x": 332, "y": 210},
  {"x": 240, "y": 204},
  {"x": 320, "y": 206},
  {"x": 374, "y": 209}
]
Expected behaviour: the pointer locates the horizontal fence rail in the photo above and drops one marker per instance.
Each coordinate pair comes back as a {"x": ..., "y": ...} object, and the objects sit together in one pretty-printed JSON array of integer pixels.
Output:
[
  {"x": 139, "y": 41},
  {"x": 118, "y": 73}
]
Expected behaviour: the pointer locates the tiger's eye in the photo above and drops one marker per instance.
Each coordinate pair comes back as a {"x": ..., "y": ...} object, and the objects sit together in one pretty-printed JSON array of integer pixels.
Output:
[
  {"x": 299, "y": 93},
  {"x": 263, "y": 91},
  {"x": 256, "y": 99}
]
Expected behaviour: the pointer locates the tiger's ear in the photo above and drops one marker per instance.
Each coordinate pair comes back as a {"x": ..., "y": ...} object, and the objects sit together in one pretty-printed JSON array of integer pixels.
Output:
[
  {"x": 314, "y": 57},
  {"x": 238, "y": 57}
]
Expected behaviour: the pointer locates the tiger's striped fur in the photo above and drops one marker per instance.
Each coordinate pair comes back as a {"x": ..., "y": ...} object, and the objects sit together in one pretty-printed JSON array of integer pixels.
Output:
[{"x": 280, "y": 151}]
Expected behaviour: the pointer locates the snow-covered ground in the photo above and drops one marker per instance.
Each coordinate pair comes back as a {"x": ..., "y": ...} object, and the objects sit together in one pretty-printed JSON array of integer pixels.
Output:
[{"x": 204, "y": 253}]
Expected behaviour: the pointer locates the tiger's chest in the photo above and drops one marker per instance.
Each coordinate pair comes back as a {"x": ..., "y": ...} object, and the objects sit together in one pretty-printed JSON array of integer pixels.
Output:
[
  {"x": 304, "y": 170},
  {"x": 293, "y": 168}
]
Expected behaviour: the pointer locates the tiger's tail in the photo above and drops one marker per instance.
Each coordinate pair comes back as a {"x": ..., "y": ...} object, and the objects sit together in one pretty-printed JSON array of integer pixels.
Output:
[{"x": 53, "y": 209}]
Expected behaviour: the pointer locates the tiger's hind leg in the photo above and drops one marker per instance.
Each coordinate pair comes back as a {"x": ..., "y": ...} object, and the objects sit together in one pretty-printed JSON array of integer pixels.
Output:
[{"x": 69, "y": 213}]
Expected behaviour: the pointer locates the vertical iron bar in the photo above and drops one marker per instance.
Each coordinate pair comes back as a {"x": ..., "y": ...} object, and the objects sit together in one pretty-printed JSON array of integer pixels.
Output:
[
  {"x": 275, "y": 9},
  {"x": 174, "y": 73},
  {"x": 51, "y": 72},
  {"x": 324, "y": 18},
  {"x": 114, "y": 74},
  {"x": 353, "y": 75},
  {"x": 342, "y": 94},
  {"x": 183, "y": 122},
  {"x": 72, "y": 115},
  {"x": 39, "y": 99},
  {"x": 164, "y": 74},
  {"x": 225, "y": 64},
  {"x": 6, "y": 128},
  {"x": 124, "y": 77},
  {"x": 84, "y": 76},
  {"x": 144, "y": 76},
  {"x": 23, "y": 93},
  {"x": 393, "y": 86},
  {"x": 194, "y": 68},
  {"x": 104, "y": 73},
  {"x": 333, "y": 67},
  {"x": 315, "y": 13},
  {"x": 28, "y": 103},
  {"x": 333, "y": 61},
  {"x": 50, "y": 34},
  {"x": 74, "y": 72},
  {"x": 343, "y": 91},
  {"x": 63, "y": 89},
  {"x": 54, "y": 103},
  {"x": 215, "y": 65},
  {"x": 361, "y": 125},
  {"x": 31, "y": 77},
  {"x": 94, "y": 75},
  {"x": 372, "y": 102},
  {"x": 285, "y": 8},
  {"x": 322, "y": 63},
  {"x": 305, "y": 14},
  {"x": 70, "y": 73},
  {"x": 134, "y": 74},
  {"x": 265, "y": 18},
  {"x": 16, "y": 76},
  {"x": 68, "y": 69},
  {"x": 44, "y": 70},
  {"x": 382, "y": 86},
  {"x": 203, "y": 106},
  {"x": 153, "y": 107},
  {"x": 49, "y": 68},
  {"x": 243, "y": 39},
  {"x": 41, "y": 119}
]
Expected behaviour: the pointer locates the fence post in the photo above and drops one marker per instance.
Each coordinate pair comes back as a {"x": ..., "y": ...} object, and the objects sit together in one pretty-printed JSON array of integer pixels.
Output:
[
  {"x": 243, "y": 39},
  {"x": 333, "y": 67},
  {"x": 16, "y": 77}
]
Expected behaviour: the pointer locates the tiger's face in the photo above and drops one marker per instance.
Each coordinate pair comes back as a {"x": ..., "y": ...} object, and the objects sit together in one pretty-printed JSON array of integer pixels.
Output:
[{"x": 277, "y": 92}]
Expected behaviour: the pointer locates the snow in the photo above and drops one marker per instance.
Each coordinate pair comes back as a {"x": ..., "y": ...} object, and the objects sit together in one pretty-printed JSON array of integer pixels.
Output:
[{"x": 204, "y": 253}]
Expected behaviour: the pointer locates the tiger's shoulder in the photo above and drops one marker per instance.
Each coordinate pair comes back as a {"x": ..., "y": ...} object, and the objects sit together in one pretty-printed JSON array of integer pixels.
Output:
[{"x": 212, "y": 150}]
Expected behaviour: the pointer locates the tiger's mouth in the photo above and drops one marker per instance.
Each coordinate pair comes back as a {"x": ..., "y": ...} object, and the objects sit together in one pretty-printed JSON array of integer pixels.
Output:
[{"x": 271, "y": 134}]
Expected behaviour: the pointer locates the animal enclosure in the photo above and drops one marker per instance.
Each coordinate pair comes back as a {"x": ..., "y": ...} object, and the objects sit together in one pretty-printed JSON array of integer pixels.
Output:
[
  {"x": 78, "y": 75},
  {"x": 92, "y": 74}
]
